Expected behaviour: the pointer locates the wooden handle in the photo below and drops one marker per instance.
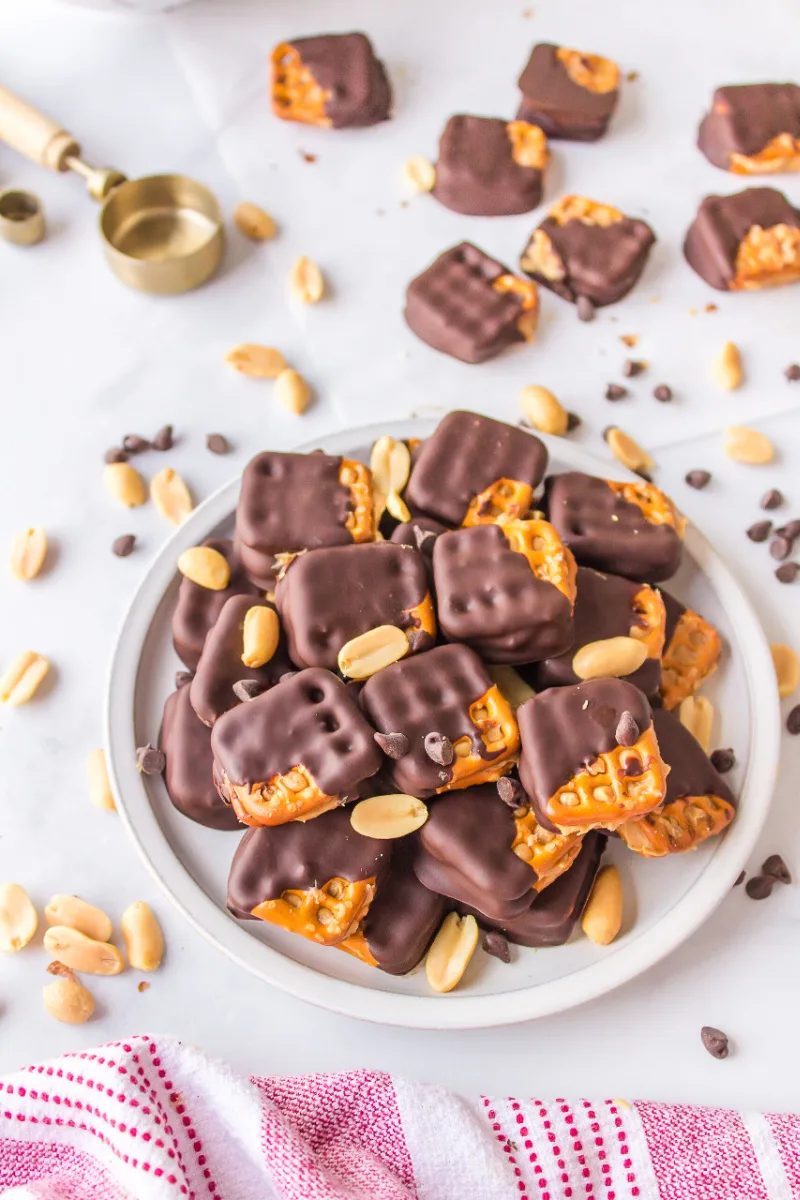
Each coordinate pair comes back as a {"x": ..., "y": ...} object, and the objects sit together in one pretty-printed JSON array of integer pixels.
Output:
[{"x": 33, "y": 134}]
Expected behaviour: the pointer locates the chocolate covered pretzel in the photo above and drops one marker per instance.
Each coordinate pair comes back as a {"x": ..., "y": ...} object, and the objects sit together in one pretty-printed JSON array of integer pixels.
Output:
[
  {"x": 568, "y": 93},
  {"x": 753, "y": 129},
  {"x": 198, "y": 607},
  {"x": 745, "y": 242},
  {"x": 332, "y": 80},
  {"x": 488, "y": 167},
  {"x": 692, "y": 649},
  {"x": 189, "y": 774}
]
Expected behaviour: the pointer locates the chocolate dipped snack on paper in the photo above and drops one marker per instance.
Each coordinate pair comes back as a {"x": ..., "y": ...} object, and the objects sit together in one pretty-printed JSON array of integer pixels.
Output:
[
  {"x": 745, "y": 242},
  {"x": 753, "y": 129},
  {"x": 692, "y": 649},
  {"x": 506, "y": 590},
  {"x": 473, "y": 469},
  {"x": 198, "y": 607},
  {"x": 587, "y": 249},
  {"x": 293, "y": 502},
  {"x": 488, "y": 167},
  {"x": 698, "y": 803},
  {"x": 567, "y": 93},
  {"x": 329, "y": 596},
  {"x": 470, "y": 306},
  {"x": 221, "y": 663},
  {"x": 186, "y": 743},
  {"x": 629, "y": 529},
  {"x": 608, "y": 606},
  {"x": 552, "y": 918},
  {"x": 316, "y": 878},
  {"x": 459, "y": 729},
  {"x": 333, "y": 80},
  {"x": 590, "y": 756},
  {"x": 294, "y": 752}
]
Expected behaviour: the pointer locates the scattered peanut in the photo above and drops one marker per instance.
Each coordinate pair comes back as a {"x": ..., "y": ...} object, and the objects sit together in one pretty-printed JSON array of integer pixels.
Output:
[
  {"x": 610, "y": 657},
  {"x": 260, "y": 635},
  {"x": 386, "y": 817},
  {"x": 390, "y": 464},
  {"x": 543, "y": 410},
  {"x": 627, "y": 451},
  {"x": 362, "y": 656},
  {"x": 68, "y": 1001},
  {"x": 787, "y": 669},
  {"x": 144, "y": 941},
  {"x": 253, "y": 222},
  {"x": 602, "y": 917},
  {"x": 697, "y": 715},
  {"x": 292, "y": 391},
  {"x": 397, "y": 507},
  {"x": 18, "y": 919},
  {"x": 100, "y": 792},
  {"x": 451, "y": 951},
  {"x": 23, "y": 677},
  {"x": 28, "y": 551},
  {"x": 258, "y": 362},
  {"x": 125, "y": 484},
  {"x": 419, "y": 173},
  {"x": 79, "y": 914},
  {"x": 171, "y": 496},
  {"x": 206, "y": 567},
  {"x": 306, "y": 284},
  {"x": 726, "y": 369},
  {"x": 747, "y": 446},
  {"x": 511, "y": 685},
  {"x": 81, "y": 953}
]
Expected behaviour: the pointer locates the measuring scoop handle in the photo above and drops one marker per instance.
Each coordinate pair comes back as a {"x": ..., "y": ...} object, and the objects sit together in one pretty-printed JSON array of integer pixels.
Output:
[{"x": 33, "y": 134}]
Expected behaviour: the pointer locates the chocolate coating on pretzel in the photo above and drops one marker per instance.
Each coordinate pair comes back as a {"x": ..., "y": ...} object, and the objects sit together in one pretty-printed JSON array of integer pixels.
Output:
[
  {"x": 198, "y": 607},
  {"x": 403, "y": 918},
  {"x": 692, "y": 773},
  {"x": 558, "y": 105},
  {"x": 477, "y": 174},
  {"x": 722, "y": 223},
  {"x": 489, "y": 598},
  {"x": 334, "y": 594},
  {"x": 609, "y": 533},
  {"x": 464, "y": 456},
  {"x": 355, "y": 86},
  {"x": 309, "y": 720},
  {"x": 744, "y": 119},
  {"x": 221, "y": 665},
  {"x": 188, "y": 775}
]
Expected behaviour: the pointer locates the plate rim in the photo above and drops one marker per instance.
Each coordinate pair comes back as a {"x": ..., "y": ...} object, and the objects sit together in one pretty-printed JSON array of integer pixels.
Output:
[{"x": 454, "y": 1011}]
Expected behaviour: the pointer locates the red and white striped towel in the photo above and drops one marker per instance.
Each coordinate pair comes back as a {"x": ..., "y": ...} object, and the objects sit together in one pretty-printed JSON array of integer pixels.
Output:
[{"x": 150, "y": 1118}]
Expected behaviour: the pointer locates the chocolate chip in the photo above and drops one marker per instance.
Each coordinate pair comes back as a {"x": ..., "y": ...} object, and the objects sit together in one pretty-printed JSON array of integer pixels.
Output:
[
  {"x": 485, "y": 506},
  {"x": 793, "y": 720},
  {"x": 627, "y": 730},
  {"x": 759, "y": 887},
  {"x": 760, "y": 531},
  {"x": 791, "y": 529},
  {"x": 182, "y": 678},
  {"x": 217, "y": 444},
  {"x": 393, "y": 745},
  {"x": 115, "y": 454},
  {"x": 123, "y": 546},
  {"x": 663, "y": 393},
  {"x": 135, "y": 444},
  {"x": 418, "y": 639},
  {"x": 787, "y": 572},
  {"x": 163, "y": 439},
  {"x": 248, "y": 689},
  {"x": 511, "y": 792},
  {"x": 496, "y": 944},
  {"x": 585, "y": 309},
  {"x": 776, "y": 869},
  {"x": 723, "y": 760},
  {"x": 631, "y": 368},
  {"x": 421, "y": 536},
  {"x": 573, "y": 421},
  {"x": 439, "y": 749},
  {"x": 715, "y": 1041},
  {"x": 698, "y": 479},
  {"x": 780, "y": 547},
  {"x": 615, "y": 391},
  {"x": 792, "y": 372},
  {"x": 149, "y": 760},
  {"x": 771, "y": 499},
  {"x": 740, "y": 878}
]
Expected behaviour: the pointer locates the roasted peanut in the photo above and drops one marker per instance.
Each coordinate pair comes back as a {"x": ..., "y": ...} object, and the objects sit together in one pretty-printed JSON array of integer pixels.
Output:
[
  {"x": 627, "y": 451},
  {"x": 419, "y": 173},
  {"x": 747, "y": 446},
  {"x": 292, "y": 391},
  {"x": 257, "y": 362},
  {"x": 390, "y": 464},
  {"x": 260, "y": 635},
  {"x": 23, "y": 677},
  {"x": 726, "y": 369},
  {"x": 387, "y": 817},
  {"x": 253, "y": 222},
  {"x": 100, "y": 792},
  {"x": 602, "y": 917},
  {"x": 144, "y": 941},
  {"x": 362, "y": 656},
  {"x": 28, "y": 551},
  {"x": 610, "y": 657},
  {"x": 171, "y": 496},
  {"x": 125, "y": 484},
  {"x": 206, "y": 567},
  {"x": 511, "y": 685},
  {"x": 787, "y": 669},
  {"x": 81, "y": 953},
  {"x": 696, "y": 714},
  {"x": 451, "y": 951},
  {"x": 18, "y": 919},
  {"x": 397, "y": 508},
  {"x": 68, "y": 1001},
  {"x": 306, "y": 284},
  {"x": 543, "y": 410},
  {"x": 79, "y": 914}
]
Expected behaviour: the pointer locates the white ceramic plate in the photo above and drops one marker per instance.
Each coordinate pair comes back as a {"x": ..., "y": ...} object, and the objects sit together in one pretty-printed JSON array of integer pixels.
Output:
[{"x": 672, "y": 896}]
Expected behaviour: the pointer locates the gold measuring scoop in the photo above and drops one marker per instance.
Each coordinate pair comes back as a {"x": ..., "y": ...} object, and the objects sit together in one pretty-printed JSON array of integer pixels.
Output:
[{"x": 162, "y": 234}]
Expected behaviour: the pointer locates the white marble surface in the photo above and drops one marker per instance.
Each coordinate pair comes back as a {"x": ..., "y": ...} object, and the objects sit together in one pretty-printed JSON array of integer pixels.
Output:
[{"x": 84, "y": 361}]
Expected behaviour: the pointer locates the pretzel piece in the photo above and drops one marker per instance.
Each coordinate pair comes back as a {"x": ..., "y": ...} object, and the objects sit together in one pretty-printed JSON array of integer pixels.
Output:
[
  {"x": 356, "y": 944},
  {"x": 527, "y": 293},
  {"x": 358, "y": 480},
  {"x": 678, "y": 826},
  {"x": 654, "y": 505},
  {"x": 294, "y": 796},
  {"x": 296, "y": 95},
  {"x": 495, "y": 725},
  {"x": 327, "y": 915},
  {"x": 781, "y": 154},
  {"x": 549, "y": 854},
  {"x": 652, "y": 618},
  {"x": 767, "y": 258},
  {"x": 504, "y": 497},
  {"x": 626, "y": 782},
  {"x": 691, "y": 656},
  {"x": 528, "y": 144},
  {"x": 590, "y": 71},
  {"x": 550, "y": 560}
]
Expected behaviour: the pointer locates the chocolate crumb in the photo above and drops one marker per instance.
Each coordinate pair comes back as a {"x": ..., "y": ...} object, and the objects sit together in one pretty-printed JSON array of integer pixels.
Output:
[
  {"x": 776, "y": 869},
  {"x": 723, "y": 760},
  {"x": 135, "y": 444},
  {"x": 631, "y": 368},
  {"x": 485, "y": 506},
  {"x": 496, "y": 944},
  {"x": 627, "y": 730},
  {"x": 163, "y": 439},
  {"x": 787, "y": 572},
  {"x": 123, "y": 546},
  {"x": 760, "y": 531},
  {"x": 439, "y": 749},
  {"x": 217, "y": 444},
  {"x": 663, "y": 393},
  {"x": 740, "y": 878},
  {"x": 511, "y": 792},
  {"x": 248, "y": 689},
  {"x": 115, "y": 454},
  {"x": 771, "y": 499},
  {"x": 149, "y": 760},
  {"x": 585, "y": 309},
  {"x": 632, "y": 76},
  {"x": 780, "y": 547},
  {"x": 792, "y": 372},
  {"x": 615, "y": 391},
  {"x": 182, "y": 678},
  {"x": 393, "y": 745},
  {"x": 793, "y": 720},
  {"x": 759, "y": 887},
  {"x": 573, "y": 421},
  {"x": 698, "y": 479},
  {"x": 715, "y": 1041}
]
